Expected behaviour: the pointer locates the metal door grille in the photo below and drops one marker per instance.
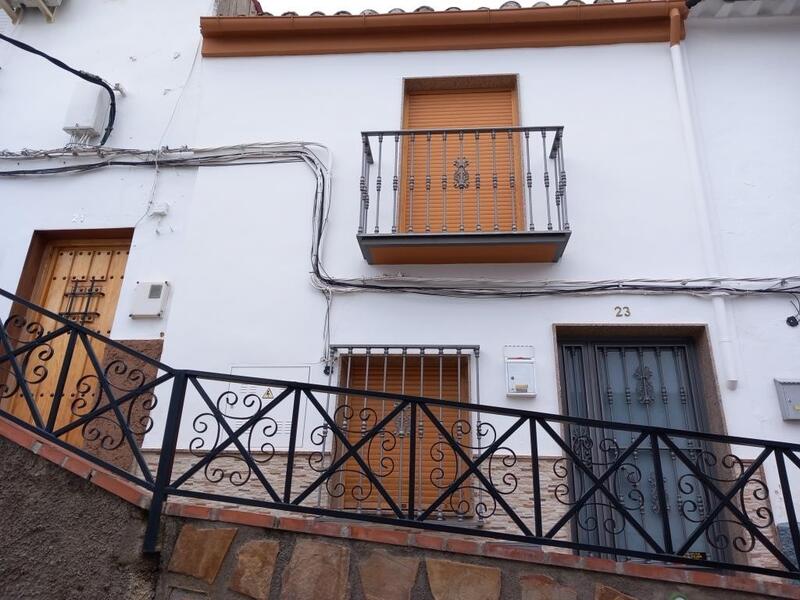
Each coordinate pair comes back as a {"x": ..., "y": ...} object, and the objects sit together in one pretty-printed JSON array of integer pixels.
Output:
[
  {"x": 650, "y": 384},
  {"x": 441, "y": 372}
]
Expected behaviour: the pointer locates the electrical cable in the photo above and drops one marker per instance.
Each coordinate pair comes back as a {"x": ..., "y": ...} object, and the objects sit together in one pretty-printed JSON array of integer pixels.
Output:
[
  {"x": 90, "y": 77},
  {"x": 152, "y": 198},
  {"x": 288, "y": 152}
]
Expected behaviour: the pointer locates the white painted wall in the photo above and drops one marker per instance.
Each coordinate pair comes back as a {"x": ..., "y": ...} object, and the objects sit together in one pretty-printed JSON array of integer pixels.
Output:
[{"x": 236, "y": 243}]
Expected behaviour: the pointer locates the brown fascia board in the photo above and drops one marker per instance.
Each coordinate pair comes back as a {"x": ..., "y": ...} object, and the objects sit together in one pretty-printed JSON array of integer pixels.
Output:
[{"x": 573, "y": 25}]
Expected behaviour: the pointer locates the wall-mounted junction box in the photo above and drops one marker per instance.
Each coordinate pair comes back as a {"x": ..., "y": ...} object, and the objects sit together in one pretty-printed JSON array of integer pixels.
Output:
[
  {"x": 520, "y": 363},
  {"x": 789, "y": 398},
  {"x": 87, "y": 112},
  {"x": 14, "y": 8},
  {"x": 275, "y": 428},
  {"x": 149, "y": 299}
]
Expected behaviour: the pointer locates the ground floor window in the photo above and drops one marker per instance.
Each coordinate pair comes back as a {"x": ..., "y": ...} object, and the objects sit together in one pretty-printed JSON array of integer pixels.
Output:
[{"x": 433, "y": 372}]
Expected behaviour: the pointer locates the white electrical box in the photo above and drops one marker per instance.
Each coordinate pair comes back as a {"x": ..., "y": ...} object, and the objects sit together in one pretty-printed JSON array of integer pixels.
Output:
[
  {"x": 520, "y": 363},
  {"x": 276, "y": 427},
  {"x": 789, "y": 398},
  {"x": 87, "y": 112},
  {"x": 14, "y": 8},
  {"x": 149, "y": 299}
]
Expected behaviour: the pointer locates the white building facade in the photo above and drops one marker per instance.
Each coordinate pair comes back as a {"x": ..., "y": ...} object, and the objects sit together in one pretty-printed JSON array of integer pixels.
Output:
[{"x": 680, "y": 176}]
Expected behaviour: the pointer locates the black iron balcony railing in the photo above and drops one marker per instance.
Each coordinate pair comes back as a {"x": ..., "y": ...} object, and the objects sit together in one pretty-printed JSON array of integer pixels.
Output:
[
  {"x": 488, "y": 186},
  {"x": 611, "y": 489}
]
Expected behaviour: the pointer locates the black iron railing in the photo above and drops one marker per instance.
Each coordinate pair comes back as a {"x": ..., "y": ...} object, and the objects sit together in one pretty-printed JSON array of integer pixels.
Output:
[
  {"x": 478, "y": 180},
  {"x": 610, "y": 489}
]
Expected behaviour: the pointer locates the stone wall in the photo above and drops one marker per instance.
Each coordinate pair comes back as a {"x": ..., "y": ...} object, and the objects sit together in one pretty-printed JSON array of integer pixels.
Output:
[
  {"x": 63, "y": 538},
  {"x": 71, "y": 530},
  {"x": 299, "y": 559},
  {"x": 229, "y": 475}
]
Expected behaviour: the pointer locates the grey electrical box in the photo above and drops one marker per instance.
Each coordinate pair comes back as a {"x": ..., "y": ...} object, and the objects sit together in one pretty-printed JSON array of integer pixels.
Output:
[{"x": 789, "y": 398}]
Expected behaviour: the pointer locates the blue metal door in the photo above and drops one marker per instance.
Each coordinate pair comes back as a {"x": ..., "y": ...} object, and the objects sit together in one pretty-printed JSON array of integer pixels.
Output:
[{"x": 653, "y": 384}]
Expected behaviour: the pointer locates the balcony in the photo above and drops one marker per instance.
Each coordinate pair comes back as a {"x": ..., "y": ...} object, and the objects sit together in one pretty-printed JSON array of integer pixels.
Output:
[{"x": 483, "y": 195}]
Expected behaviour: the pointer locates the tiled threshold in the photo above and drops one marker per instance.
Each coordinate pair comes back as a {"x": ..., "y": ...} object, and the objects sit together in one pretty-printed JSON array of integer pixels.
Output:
[{"x": 393, "y": 536}]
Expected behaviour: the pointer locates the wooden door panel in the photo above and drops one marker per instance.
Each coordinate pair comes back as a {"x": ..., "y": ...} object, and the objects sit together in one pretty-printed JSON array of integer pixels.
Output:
[{"x": 80, "y": 280}]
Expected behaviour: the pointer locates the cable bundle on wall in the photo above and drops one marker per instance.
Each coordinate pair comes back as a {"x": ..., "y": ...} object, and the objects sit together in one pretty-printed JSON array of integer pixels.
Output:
[{"x": 92, "y": 159}]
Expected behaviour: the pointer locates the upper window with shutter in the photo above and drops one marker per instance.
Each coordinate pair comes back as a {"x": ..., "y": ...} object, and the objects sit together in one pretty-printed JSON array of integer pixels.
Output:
[
  {"x": 492, "y": 103},
  {"x": 463, "y": 181}
]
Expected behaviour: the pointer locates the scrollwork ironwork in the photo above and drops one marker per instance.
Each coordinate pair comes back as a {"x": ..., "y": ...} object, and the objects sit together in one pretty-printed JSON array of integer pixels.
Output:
[
  {"x": 751, "y": 500},
  {"x": 258, "y": 439}
]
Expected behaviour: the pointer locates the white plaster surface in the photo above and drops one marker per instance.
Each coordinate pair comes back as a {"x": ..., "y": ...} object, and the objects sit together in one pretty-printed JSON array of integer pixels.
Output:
[{"x": 235, "y": 245}]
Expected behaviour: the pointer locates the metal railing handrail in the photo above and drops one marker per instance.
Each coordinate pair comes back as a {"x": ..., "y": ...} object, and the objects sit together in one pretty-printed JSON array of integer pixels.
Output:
[
  {"x": 365, "y": 135},
  {"x": 526, "y": 194},
  {"x": 349, "y": 433}
]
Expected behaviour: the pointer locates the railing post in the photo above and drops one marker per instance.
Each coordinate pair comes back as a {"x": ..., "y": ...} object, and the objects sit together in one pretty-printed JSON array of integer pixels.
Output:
[
  {"x": 662, "y": 494},
  {"x": 412, "y": 462},
  {"x": 364, "y": 185},
  {"x": 791, "y": 515},
  {"x": 165, "y": 462},
  {"x": 287, "y": 484},
  {"x": 62, "y": 380},
  {"x": 563, "y": 182},
  {"x": 537, "y": 492}
]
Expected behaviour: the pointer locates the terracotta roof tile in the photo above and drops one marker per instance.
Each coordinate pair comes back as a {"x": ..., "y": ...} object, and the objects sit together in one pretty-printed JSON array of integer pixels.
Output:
[{"x": 509, "y": 5}]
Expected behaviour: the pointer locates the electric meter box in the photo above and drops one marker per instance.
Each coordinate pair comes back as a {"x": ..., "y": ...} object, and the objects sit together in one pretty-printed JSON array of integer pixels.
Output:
[
  {"x": 87, "y": 112},
  {"x": 149, "y": 299},
  {"x": 520, "y": 363},
  {"x": 789, "y": 398}
]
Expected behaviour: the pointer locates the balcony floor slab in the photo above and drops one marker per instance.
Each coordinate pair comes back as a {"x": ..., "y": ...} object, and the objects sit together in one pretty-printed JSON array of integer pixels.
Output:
[{"x": 461, "y": 247}]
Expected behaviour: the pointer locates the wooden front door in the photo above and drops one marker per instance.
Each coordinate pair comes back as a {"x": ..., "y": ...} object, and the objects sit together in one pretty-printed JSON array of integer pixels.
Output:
[
  {"x": 81, "y": 281},
  {"x": 388, "y": 456}
]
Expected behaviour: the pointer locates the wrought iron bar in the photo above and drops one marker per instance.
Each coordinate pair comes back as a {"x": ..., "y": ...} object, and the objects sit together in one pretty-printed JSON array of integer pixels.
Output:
[
  {"x": 495, "y": 181},
  {"x": 362, "y": 220},
  {"x": 788, "y": 502},
  {"x": 546, "y": 178},
  {"x": 166, "y": 462},
  {"x": 378, "y": 181},
  {"x": 662, "y": 494},
  {"x": 395, "y": 182},
  {"x": 62, "y": 381},
  {"x": 486, "y": 465},
  {"x": 461, "y": 185},
  {"x": 477, "y": 181},
  {"x": 512, "y": 183},
  {"x": 529, "y": 180},
  {"x": 444, "y": 181},
  {"x": 563, "y": 181},
  {"x": 536, "y": 483},
  {"x": 410, "y": 225},
  {"x": 428, "y": 184}
]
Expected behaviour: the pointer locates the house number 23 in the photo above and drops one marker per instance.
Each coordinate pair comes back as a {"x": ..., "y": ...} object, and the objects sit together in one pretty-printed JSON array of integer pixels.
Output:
[{"x": 622, "y": 311}]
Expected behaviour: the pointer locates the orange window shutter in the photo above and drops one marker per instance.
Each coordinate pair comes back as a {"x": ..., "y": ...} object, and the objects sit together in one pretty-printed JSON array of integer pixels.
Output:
[
  {"x": 436, "y": 204},
  {"x": 437, "y": 466}
]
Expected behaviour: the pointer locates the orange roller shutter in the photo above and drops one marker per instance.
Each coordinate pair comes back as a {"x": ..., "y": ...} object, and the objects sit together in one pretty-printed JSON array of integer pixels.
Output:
[
  {"x": 436, "y": 464},
  {"x": 437, "y": 211}
]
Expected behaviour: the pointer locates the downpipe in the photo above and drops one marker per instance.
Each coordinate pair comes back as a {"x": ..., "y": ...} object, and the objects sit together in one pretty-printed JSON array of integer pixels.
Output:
[{"x": 726, "y": 329}]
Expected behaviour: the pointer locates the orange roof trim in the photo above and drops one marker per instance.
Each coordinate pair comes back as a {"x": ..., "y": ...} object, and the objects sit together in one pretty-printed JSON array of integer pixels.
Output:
[{"x": 546, "y": 26}]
